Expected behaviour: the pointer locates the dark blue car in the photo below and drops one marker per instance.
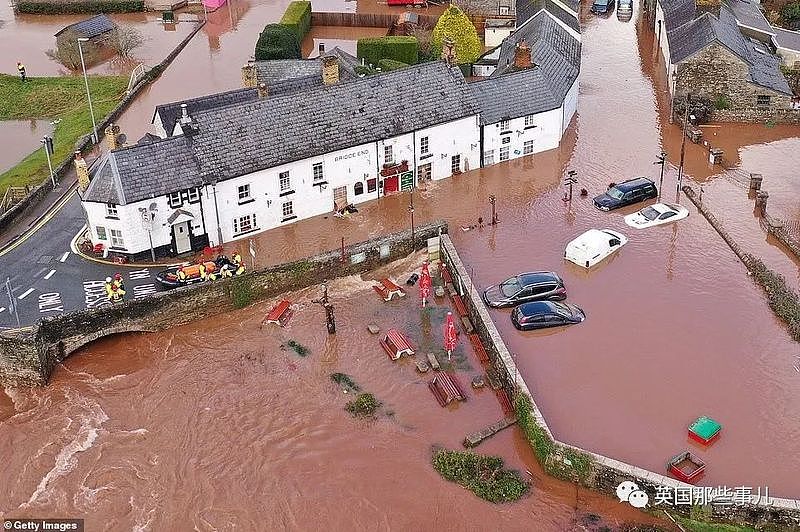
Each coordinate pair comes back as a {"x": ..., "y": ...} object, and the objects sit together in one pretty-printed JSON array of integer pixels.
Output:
[{"x": 601, "y": 7}]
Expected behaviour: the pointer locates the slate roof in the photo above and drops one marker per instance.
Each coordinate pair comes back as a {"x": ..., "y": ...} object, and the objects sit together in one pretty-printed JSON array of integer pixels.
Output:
[
  {"x": 531, "y": 92},
  {"x": 143, "y": 171},
  {"x": 491, "y": 8},
  {"x": 171, "y": 112},
  {"x": 526, "y": 9},
  {"x": 677, "y": 12},
  {"x": 697, "y": 34},
  {"x": 282, "y": 70},
  {"x": 240, "y": 139},
  {"x": 91, "y": 27},
  {"x": 787, "y": 39},
  {"x": 748, "y": 13}
]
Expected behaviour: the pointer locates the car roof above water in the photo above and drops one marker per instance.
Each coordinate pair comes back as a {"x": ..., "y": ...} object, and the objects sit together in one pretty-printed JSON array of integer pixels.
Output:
[
  {"x": 526, "y": 279},
  {"x": 537, "y": 307},
  {"x": 636, "y": 182}
]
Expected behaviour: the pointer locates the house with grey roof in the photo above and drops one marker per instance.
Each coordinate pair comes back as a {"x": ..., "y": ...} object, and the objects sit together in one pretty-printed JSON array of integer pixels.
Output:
[
  {"x": 539, "y": 64},
  {"x": 787, "y": 46},
  {"x": 102, "y": 33},
  {"x": 232, "y": 169},
  {"x": 709, "y": 53}
]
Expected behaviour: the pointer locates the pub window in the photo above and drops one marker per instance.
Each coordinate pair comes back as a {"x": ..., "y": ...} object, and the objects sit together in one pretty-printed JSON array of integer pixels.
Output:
[
  {"x": 504, "y": 125},
  {"x": 527, "y": 148},
  {"x": 530, "y": 121},
  {"x": 488, "y": 157},
  {"x": 504, "y": 153},
  {"x": 194, "y": 195},
  {"x": 244, "y": 223},
  {"x": 285, "y": 182},
  {"x": 388, "y": 155},
  {"x": 101, "y": 232},
  {"x": 424, "y": 145},
  {"x": 175, "y": 200},
  {"x": 116, "y": 239},
  {"x": 318, "y": 175},
  {"x": 287, "y": 209},
  {"x": 244, "y": 193},
  {"x": 111, "y": 210},
  {"x": 455, "y": 164}
]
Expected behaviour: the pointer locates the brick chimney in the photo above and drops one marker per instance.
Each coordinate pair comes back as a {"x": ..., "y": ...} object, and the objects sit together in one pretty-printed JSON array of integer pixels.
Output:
[
  {"x": 708, "y": 6},
  {"x": 249, "y": 78},
  {"x": 330, "y": 70},
  {"x": 522, "y": 55},
  {"x": 82, "y": 170},
  {"x": 263, "y": 90},
  {"x": 112, "y": 141},
  {"x": 449, "y": 51}
]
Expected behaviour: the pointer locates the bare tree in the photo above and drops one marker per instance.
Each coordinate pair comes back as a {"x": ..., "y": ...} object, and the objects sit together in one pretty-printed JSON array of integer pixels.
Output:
[
  {"x": 424, "y": 39},
  {"x": 127, "y": 40}
]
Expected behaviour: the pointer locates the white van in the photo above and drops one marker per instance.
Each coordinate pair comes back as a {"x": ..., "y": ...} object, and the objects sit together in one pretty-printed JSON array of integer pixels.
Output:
[{"x": 593, "y": 246}]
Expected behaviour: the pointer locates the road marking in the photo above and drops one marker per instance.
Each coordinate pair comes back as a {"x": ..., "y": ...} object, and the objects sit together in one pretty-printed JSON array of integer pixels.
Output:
[
  {"x": 51, "y": 302},
  {"x": 41, "y": 222},
  {"x": 64, "y": 256},
  {"x": 26, "y": 293},
  {"x": 144, "y": 290},
  {"x": 95, "y": 294},
  {"x": 139, "y": 274},
  {"x": 49, "y": 275},
  {"x": 3, "y": 309}
]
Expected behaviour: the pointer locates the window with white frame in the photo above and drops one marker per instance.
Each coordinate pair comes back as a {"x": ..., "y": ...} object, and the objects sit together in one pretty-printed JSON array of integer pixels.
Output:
[
  {"x": 285, "y": 181},
  {"x": 527, "y": 148},
  {"x": 388, "y": 155},
  {"x": 244, "y": 193},
  {"x": 488, "y": 157},
  {"x": 318, "y": 174},
  {"x": 424, "y": 145},
  {"x": 504, "y": 125},
  {"x": 194, "y": 195},
  {"x": 455, "y": 164},
  {"x": 175, "y": 200},
  {"x": 101, "y": 232},
  {"x": 116, "y": 238},
  {"x": 287, "y": 209},
  {"x": 111, "y": 210},
  {"x": 245, "y": 223},
  {"x": 504, "y": 153},
  {"x": 530, "y": 121}
]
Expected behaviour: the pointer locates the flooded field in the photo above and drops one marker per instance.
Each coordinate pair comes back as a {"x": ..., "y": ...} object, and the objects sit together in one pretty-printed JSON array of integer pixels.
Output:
[
  {"x": 221, "y": 428},
  {"x": 20, "y": 137}
]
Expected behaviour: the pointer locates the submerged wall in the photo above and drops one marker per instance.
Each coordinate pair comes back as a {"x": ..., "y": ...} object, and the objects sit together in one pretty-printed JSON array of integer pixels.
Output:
[
  {"x": 29, "y": 356},
  {"x": 581, "y": 466}
]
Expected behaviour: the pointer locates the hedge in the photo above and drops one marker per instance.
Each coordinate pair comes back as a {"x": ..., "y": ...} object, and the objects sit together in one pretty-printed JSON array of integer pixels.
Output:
[
  {"x": 398, "y": 48},
  {"x": 277, "y": 41},
  {"x": 387, "y": 65},
  {"x": 80, "y": 6},
  {"x": 298, "y": 18}
]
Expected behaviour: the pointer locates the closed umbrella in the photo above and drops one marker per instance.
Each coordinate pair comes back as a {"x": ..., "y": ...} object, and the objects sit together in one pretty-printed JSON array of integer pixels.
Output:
[
  {"x": 425, "y": 283},
  {"x": 450, "y": 335}
]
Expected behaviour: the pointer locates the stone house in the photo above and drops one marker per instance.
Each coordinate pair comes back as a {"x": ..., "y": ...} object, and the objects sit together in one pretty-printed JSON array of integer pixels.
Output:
[
  {"x": 787, "y": 46},
  {"x": 101, "y": 32},
  {"x": 707, "y": 55}
]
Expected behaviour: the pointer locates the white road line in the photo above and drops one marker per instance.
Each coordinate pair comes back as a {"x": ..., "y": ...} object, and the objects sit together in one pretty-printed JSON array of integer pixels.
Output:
[
  {"x": 2, "y": 309},
  {"x": 26, "y": 293},
  {"x": 49, "y": 275},
  {"x": 64, "y": 256}
]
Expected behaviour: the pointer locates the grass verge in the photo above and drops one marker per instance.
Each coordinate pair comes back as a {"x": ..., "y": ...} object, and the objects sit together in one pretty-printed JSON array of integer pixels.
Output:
[
  {"x": 62, "y": 98},
  {"x": 698, "y": 526},
  {"x": 483, "y": 475}
]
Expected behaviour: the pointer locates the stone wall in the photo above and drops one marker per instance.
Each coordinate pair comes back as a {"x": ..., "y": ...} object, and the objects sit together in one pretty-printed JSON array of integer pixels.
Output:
[
  {"x": 715, "y": 73},
  {"x": 29, "y": 358},
  {"x": 595, "y": 471},
  {"x": 776, "y": 228}
]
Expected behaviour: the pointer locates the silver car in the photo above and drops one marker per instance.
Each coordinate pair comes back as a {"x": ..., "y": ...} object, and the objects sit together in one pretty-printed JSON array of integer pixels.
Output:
[{"x": 624, "y": 10}]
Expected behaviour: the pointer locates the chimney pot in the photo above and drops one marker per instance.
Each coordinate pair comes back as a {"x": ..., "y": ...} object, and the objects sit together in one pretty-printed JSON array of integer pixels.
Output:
[
  {"x": 249, "y": 80},
  {"x": 708, "y": 6},
  {"x": 263, "y": 91},
  {"x": 82, "y": 170},
  {"x": 522, "y": 55}
]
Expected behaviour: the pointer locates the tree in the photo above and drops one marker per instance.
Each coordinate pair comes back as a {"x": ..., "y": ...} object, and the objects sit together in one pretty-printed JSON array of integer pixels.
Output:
[
  {"x": 127, "y": 40},
  {"x": 454, "y": 24},
  {"x": 277, "y": 41}
]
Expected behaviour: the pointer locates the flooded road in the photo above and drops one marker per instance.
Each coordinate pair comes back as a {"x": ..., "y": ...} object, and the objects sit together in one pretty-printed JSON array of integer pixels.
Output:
[
  {"x": 220, "y": 428},
  {"x": 20, "y": 137}
]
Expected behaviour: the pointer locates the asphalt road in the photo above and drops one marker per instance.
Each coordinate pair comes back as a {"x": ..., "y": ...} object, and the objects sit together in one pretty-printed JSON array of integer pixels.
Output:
[{"x": 48, "y": 279}]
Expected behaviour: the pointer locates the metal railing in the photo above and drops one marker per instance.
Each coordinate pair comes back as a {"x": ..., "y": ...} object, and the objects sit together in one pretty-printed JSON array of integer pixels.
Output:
[{"x": 12, "y": 196}]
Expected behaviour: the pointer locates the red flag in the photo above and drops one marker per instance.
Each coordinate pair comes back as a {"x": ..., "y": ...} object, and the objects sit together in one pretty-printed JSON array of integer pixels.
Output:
[
  {"x": 450, "y": 335},
  {"x": 425, "y": 283}
]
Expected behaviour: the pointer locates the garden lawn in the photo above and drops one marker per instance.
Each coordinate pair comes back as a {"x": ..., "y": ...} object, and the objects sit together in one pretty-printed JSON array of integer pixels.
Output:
[{"x": 62, "y": 98}]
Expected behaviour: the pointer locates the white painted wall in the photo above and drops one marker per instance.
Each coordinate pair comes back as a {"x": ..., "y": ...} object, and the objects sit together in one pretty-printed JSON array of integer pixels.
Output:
[
  {"x": 570, "y": 106},
  {"x": 158, "y": 126},
  {"x": 545, "y": 132},
  {"x": 495, "y": 36}
]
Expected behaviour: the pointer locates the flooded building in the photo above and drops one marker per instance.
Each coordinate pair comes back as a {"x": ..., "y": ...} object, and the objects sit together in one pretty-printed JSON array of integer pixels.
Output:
[
  {"x": 712, "y": 54},
  {"x": 102, "y": 35}
]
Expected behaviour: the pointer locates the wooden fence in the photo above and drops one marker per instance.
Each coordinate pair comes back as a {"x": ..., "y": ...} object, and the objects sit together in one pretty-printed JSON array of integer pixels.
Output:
[{"x": 364, "y": 20}]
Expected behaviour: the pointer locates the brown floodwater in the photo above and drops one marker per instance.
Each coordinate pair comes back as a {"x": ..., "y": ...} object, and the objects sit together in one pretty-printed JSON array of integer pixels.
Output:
[
  {"x": 220, "y": 428},
  {"x": 335, "y": 36},
  {"x": 20, "y": 137}
]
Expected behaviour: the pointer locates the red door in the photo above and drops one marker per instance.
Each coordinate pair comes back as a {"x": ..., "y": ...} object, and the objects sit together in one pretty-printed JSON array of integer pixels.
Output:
[{"x": 391, "y": 184}]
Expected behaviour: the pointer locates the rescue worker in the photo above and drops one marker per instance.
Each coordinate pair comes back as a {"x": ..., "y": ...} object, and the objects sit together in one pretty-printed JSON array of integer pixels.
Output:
[
  {"x": 203, "y": 275},
  {"x": 237, "y": 261},
  {"x": 181, "y": 275},
  {"x": 113, "y": 292},
  {"x": 119, "y": 282},
  {"x": 225, "y": 271},
  {"x": 21, "y": 70}
]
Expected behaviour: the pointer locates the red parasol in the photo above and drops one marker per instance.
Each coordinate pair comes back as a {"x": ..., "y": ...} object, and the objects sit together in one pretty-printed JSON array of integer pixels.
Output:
[
  {"x": 450, "y": 335},
  {"x": 425, "y": 283}
]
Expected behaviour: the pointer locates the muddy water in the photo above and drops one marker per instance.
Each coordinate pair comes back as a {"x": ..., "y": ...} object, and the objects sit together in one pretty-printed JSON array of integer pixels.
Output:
[
  {"x": 334, "y": 36},
  {"x": 219, "y": 428},
  {"x": 20, "y": 137}
]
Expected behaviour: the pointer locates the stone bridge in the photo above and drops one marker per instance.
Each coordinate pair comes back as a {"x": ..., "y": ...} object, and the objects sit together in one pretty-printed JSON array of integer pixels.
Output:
[{"x": 28, "y": 356}]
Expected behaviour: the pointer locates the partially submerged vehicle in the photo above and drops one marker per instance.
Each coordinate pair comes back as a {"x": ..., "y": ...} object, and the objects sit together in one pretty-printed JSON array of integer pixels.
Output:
[
  {"x": 593, "y": 246},
  {"x": 543, "y": 314},
  {"x": 530, "y": 286},
  {"x": 657, "y": 214},
  {"x": 601, "y": 7},
  {"x": 626, "y": 193},
  {"x": 624, "y": 10}
]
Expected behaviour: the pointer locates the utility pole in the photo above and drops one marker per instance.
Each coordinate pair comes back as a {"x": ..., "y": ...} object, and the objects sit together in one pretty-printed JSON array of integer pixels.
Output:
[
  {"x": 492, "y": 201},
  {"x": 330, "y": 319},
  {"x": 570, "y": 180},
  {"x": 47, "y": 142},
  {"x": 683, "y": 141},
  {"x": 662, "y": 160},
  {"x": 411, "y": 211}
]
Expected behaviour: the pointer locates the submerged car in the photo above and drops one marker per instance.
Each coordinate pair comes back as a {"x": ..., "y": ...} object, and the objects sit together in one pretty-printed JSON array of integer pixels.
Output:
[
  {"x": 593, "y": 246},
  {"x": 532, "y": 286},
  {"x": 626, "y": 193},
  {"x": 624, "y": 10},
  {"x": 541, "y": 314},
  {"x": 657, "y": 214},
  {"x": 601, "y": 7}
]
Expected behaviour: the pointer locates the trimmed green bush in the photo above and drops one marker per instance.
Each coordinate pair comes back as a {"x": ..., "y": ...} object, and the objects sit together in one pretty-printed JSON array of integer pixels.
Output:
[
  {"x": 297, "y": 17},
  {"x": 791, "y": 13},
  {"x": 483, "y": 475},
  {"x": 277, "y": 41},
  {"x": 397, "y": 48},
  {"x": 387, "y": 65},
  {"x": 365, "y": 405},
  {"x": 80, "y": 6}
]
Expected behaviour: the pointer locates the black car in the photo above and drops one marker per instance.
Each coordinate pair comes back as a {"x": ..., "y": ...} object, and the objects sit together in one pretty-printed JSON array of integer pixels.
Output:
[
  {"x": 533, "y": 286},
  {"x": 601, "y": 7},
  {"x": 626, "y": 193},
  {"x": 541, "y": 314}
]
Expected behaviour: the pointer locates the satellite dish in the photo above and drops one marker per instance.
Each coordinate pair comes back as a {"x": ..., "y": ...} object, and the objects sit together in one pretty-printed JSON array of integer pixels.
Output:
[
  {"x": 115, "y": 129},
  {"x": 122, "y": 139}
]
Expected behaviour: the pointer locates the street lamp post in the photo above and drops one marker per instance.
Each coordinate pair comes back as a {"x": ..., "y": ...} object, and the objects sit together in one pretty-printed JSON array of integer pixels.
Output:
[
  {"x": 47, "y": 143},
  {"x": 662, "y": 160},
  {"x": 493, "y": 200},
  {"x": 86, "y": 82},
  {"x": 570, "y": 180}
]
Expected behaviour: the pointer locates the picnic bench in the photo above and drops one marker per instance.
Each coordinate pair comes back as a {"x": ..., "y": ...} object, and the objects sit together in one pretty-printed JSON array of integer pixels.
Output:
[
  {"x": 280, "y": 313},
  {"x": 388, "y": 290}
]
